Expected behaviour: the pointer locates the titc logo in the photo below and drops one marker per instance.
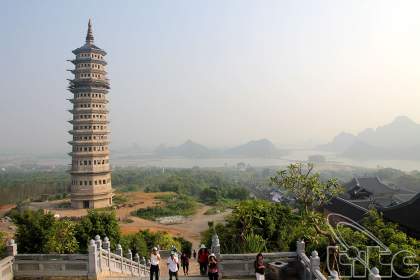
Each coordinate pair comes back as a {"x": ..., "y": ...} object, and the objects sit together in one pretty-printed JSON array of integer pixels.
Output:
[{"x": 349, "y": 257}]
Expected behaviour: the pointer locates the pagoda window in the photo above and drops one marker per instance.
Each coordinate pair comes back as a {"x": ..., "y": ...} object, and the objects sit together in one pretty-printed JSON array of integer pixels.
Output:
[
  {"x": 85, "y": 183},
  {"x": 103, "y": 182},
  {"x": 80, "y": 183},
  {"x": 85, "y": 162},
  {"x": 90, "y": 183},
  {"x": 96, "y": 182}
]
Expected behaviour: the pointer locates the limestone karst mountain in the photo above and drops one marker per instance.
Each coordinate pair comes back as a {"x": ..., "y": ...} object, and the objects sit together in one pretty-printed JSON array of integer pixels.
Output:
[
  {"x": 257, "y": 148},
  {"x": 190, "y": 149},
  {"x": 399, "y": 139}
]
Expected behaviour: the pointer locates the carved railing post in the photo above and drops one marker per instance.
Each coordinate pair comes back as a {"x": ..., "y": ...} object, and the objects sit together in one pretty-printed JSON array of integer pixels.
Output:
[
  {"x": 93, "y": 258},
  {"x": 315, "y": 262},
  {"x": 98, "y": 243},
  {"x": 300, "y": 247},
  {"x": 136, "y": 258},
  {"x": 119, "y": 252},
  {"x": 374, "y": 274},
  {"x": 11, "y": 248},
  {"x": 130, "y": 257},
  {"x": 215, "y": 244},
  {"x": 333, "y": 275},
  {"x": 300, "y": 251},
  {"x": 145, "y": 265},
  {"x": 106, "y": 245}
]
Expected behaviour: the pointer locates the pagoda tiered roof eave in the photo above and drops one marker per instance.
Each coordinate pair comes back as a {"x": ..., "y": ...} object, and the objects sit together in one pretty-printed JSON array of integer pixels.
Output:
[
  {"x": 87, "y": 60},
  {"x": 89, "y": 89},
  {"x": 88, "y": 110},
  {"x": 89, "y": 121},
  {"x": 89, "y": 48},
  {"x": 89, "y": 99},
  {"x": 88, "y": 82},
  {"x": 88, "y": 70},
  {"x": 91, "y": 154},
  {"x": 91, "y": 172},
  {"x": 88, "y": 132},
  {"x": 89, "y": 143}
]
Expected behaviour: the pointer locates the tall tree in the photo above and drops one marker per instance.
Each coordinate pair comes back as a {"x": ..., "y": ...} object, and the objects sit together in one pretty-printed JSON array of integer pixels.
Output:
[
  {"x": 309, "y": 192},
  {"x": 98, "y": 223},
  {"x": 61, "y": 238},
  {"x": 33, "y": 229}
]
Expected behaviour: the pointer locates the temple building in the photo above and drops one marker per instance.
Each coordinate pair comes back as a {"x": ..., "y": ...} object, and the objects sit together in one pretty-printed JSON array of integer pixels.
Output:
[{"x": 90, "y": 169}]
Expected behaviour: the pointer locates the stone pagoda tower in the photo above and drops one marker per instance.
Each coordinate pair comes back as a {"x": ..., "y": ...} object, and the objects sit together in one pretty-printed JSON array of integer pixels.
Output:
[{"x": 90, "y": 170}]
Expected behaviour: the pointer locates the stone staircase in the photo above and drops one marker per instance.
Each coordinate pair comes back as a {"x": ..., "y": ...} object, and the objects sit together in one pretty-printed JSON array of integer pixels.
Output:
[
  {"x": 193, "y": 277},
  {"x": 160, "y": 278}
]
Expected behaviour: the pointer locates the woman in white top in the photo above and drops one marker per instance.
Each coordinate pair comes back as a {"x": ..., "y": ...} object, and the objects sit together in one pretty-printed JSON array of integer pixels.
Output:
[
  {"x": 154, "y": 263},
  {"x": 173, "y": 265}
]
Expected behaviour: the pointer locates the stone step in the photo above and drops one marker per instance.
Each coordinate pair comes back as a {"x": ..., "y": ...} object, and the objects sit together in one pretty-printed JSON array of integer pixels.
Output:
[{"x": 194, "y": 277}]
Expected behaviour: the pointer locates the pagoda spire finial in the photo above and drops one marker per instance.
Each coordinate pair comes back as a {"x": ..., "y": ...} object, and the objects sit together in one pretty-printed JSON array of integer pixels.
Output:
[{"x": 89, "y": 35}]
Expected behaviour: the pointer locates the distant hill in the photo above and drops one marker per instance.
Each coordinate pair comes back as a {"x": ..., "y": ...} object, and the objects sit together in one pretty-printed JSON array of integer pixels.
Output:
[
  {"x": 340, "y": 143},
  {"x": 190, "y": 149},
  {"x": 398, "y": 140},
  {"x": 258, "y": 148}
]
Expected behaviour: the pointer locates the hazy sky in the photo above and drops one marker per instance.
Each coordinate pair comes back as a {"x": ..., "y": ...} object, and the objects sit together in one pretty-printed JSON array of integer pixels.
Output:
[{"x": 217, "y": 72}]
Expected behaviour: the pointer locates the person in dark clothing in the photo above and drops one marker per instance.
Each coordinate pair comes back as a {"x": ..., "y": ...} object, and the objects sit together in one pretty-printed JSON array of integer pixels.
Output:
[
  {"x": 195, "y": 254},
  {"x": 259, "y": 267},
  {"x": 202, "y": 258},
  {"x": 185, "y": 262},
  {"x": 213, "y": 271}
]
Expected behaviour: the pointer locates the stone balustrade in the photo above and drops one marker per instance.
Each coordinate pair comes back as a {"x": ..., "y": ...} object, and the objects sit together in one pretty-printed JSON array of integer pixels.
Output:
[
  {"x": 280, "y": 264},
  {"x": 49, "y": 265},
  {"x": 6, "y": 268},
  {"x": 100, "y": 262}
]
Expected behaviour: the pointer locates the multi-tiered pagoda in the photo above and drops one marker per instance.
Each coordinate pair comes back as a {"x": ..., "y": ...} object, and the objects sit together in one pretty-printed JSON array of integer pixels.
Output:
[{"x": 90, "y": 170}]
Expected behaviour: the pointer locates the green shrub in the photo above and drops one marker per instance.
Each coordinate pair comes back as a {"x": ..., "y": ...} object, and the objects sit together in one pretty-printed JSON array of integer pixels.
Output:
[{"x": 174, "y": 205}]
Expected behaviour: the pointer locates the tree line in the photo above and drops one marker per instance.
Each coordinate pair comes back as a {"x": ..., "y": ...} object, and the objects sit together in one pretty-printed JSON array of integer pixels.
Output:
[{"x": 39, "y": 232}]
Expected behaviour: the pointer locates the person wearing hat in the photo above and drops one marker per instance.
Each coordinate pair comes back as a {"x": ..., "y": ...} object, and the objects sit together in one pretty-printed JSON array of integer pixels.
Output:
[
  {"x": 173, "y": 265},
  {"x": 213, "y": 268},
  {"x": 203, "y": 258},
  {"x": 154, "y": 263}
]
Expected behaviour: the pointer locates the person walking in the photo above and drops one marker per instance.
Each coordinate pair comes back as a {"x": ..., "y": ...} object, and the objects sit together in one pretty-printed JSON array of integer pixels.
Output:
[
  {"x": 194, "y": 254},
  {"x": 213, "y": 268},
  {"x": 185, "y": 262},
  {"x": 202, "y": 258},
  {"x": 259, "y": 267},
  {"x": 154, "y": 264},
  {"x": 173, "y": 265}
]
